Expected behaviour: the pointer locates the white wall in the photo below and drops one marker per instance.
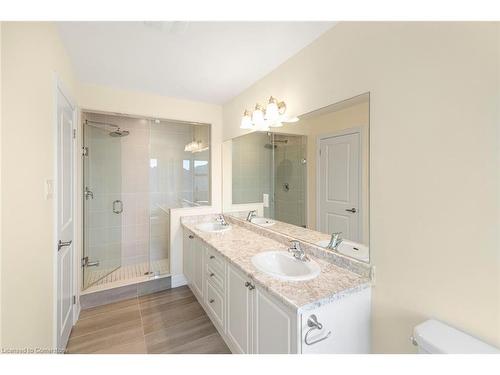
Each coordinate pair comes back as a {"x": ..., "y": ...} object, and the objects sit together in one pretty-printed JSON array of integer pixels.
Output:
[
  {"x": 107, "y": 99},
  {"x": 31, "y": 53},
  {"x": 434, "y": 162}
]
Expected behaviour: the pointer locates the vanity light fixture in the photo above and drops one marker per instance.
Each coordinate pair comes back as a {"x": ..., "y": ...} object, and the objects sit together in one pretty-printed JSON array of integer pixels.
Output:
[
  {"x": 281, "y": 108},
  {"x": 272, "y": 112},
  {"x": 258, "y": 116},
  {"x": 273, "y": 116},
  {"x": 195, "y": 146},
  {"x": 246, "y": 120}
]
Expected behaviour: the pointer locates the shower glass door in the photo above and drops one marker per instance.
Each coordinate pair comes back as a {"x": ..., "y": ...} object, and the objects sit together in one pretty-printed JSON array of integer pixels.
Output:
[
  {"x": 289, "y": 178},
  {"x": 102, "y": 203}
]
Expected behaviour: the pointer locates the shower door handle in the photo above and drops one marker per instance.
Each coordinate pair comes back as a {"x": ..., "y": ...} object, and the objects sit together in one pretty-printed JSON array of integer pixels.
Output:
[{"x": 119, "y": 204}]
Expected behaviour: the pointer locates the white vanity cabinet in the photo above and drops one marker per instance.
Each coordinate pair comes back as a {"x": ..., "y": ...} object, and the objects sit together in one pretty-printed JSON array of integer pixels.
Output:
[
  {"x": 251, "y": 320},
  {"x": 193, "y": 262},
  {"x": 239, "y": 311},
  {"x": 274, "y": 325},
  {"x": 257, "y": 322}
]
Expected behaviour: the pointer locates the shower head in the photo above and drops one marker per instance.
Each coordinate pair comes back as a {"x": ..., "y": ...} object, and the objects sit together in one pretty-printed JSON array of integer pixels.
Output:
[
  {"x": 119, "y": 133},
  {"x": 103, "y": 125},
  {"x": 273, "y": 143}
]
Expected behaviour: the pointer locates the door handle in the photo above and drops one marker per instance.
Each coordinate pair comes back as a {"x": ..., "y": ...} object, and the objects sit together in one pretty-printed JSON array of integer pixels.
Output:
[
  {"x": 88, "y": 193},
  {"x": 62, "y": 244},
  {"x": 118, "y": 210},
  {"x": 86, "y": 263},
  {"x": 353, "y": 210}
]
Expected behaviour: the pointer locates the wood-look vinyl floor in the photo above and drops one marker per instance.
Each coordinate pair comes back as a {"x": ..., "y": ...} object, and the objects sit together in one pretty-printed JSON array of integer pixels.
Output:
[{"x": 171, "y": 321}]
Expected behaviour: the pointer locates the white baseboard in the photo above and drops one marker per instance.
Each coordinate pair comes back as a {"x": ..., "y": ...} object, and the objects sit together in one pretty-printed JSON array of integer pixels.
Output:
[{"x": 178, "y": 280}]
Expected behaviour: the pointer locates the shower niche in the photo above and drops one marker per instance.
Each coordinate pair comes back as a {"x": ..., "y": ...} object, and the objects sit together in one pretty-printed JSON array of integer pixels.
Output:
[{"x": 135, "y": 171}]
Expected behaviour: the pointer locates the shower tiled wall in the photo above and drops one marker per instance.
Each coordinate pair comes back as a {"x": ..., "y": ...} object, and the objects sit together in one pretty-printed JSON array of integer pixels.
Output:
[
  {"x": 135, "y": 191},
  {"x": 252, "y": 158}
]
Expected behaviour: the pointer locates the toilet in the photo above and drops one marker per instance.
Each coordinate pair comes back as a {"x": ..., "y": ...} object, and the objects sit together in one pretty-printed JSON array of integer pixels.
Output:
[{"x": 435, "y": 337}]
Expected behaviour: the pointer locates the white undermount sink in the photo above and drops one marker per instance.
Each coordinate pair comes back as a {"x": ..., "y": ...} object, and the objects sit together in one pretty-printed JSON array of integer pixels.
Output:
[
  {"x": 213, "y": 227},
  {"x": 282, "y": 265},
  {"x": 262, "y": 221},
  {"x": 351, "y": 249}
]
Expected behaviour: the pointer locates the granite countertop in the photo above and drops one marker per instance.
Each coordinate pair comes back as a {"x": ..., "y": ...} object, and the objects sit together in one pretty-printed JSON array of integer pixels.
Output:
[
  {"x": 239, "y": 244},
  {"x": 291, "y": 230}
]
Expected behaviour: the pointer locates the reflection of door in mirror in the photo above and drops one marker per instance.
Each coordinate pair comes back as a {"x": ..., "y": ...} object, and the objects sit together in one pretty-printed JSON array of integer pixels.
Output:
[{"x": 339, "y": 185}]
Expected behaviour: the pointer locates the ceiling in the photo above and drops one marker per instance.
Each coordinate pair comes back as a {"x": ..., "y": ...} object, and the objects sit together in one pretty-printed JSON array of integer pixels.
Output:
[{"x": 205, "y": 61}]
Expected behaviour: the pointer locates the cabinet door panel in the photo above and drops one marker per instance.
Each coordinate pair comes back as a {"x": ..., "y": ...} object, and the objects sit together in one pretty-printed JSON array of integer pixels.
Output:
[
  {"x": 274, "y": 326},
  {"x": 187, "y": 256},
  {"x": 198, "y": 276},
  {"x": 215, "y": 303},
  {"x": 239, "y": 309}
]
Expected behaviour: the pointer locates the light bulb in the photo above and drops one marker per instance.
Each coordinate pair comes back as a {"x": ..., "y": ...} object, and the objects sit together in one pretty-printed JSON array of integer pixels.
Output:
[
  {"x": 258, "y": 116},
  {"x": 272, "y": 113},
  {"x": 246, "y": 121}
]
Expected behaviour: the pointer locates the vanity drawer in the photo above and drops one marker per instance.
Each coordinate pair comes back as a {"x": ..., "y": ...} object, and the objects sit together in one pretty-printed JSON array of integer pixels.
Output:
[
  {"x": 215, "y": 277},
  {"x": 214, "y": 260},
  {"x": 215, "y": 303}
]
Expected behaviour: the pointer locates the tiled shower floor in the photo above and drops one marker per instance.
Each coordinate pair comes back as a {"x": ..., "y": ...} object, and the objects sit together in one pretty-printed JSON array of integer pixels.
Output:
[{"x": 126, "y": 274}]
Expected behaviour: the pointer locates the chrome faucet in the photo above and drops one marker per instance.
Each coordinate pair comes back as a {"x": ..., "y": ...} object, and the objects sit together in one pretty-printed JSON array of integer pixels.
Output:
[
  {"x": 335, "y": 241},
  {"x": 297, "y": 252},
  {"x": 251, "y": 215},
  {"x": 221, "y": 220}
]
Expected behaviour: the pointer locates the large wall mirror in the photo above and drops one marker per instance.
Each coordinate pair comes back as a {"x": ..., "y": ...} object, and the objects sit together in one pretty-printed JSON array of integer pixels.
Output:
[{"x": 308, "y": 179}]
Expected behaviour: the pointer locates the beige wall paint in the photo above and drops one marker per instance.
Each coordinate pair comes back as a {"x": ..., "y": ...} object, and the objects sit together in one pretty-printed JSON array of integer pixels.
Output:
[
  {"x": 31, "y": 54},
  {"x": 434, "y": 162},
  {"x": 107, "y": 99}
]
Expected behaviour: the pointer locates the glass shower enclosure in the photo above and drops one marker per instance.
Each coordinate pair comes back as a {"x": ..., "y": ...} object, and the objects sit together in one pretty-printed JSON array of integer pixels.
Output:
[{"x": 135, "y": 171}]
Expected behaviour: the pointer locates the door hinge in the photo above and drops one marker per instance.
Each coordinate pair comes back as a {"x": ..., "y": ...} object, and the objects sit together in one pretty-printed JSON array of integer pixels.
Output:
[
  {"x": 319, "y": 152},
  {"x": 85, "y": 151},
  {"x": 74, "y": 133},
  {"x": 74, "y": 300}
]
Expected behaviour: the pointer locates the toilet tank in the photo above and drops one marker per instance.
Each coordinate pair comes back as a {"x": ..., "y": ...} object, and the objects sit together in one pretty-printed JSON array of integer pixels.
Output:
[{"x": 435, "y": 337}]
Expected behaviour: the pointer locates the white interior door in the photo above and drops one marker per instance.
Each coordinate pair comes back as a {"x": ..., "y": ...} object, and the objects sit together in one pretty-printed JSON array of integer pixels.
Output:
[
  {"x": 65, "y": 217},
  {"x": 339, "y": 186}
]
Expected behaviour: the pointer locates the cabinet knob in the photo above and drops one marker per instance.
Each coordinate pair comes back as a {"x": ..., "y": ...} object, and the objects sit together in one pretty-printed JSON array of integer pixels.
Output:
[
  {"x": 191, "y": 236},
  {"x": 212, "y": 274},
  {"x": 211, "y": 301},
  {"x": 212, "y": 256},
  {"x": 249, "y": 285}
]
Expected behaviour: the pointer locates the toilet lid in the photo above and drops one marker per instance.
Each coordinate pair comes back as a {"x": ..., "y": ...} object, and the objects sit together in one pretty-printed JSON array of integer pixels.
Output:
[{"x": 436, "y": 337}]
